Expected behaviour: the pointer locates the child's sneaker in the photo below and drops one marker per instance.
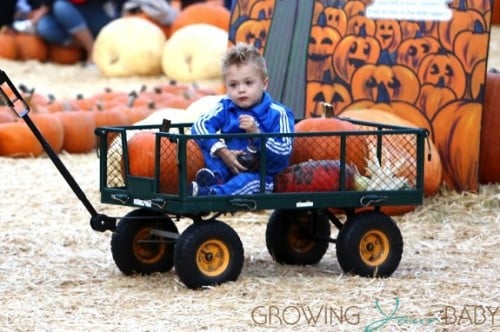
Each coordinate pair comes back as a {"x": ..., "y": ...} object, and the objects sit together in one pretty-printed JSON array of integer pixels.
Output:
[
  {"x": 205, "y": 177},
  {"x": 194, "y": 189}
]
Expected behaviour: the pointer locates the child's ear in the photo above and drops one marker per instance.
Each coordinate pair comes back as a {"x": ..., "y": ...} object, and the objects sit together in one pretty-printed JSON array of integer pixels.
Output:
[{"x": 266, "y": 83}]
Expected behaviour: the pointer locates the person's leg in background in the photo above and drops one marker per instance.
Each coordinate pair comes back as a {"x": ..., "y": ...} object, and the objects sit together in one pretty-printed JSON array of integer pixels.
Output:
[{"x": 66, "y": 26}]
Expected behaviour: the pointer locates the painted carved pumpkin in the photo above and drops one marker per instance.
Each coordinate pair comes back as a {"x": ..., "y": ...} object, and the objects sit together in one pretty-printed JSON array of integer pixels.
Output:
[
  {"x": 254, "y": 32},
  {"x": 319, "y": 93},
  {"x": 388, "y": 34},
  {"x": 360, "y": 22},
  {"x": 411, "y": 51},
  {"x": 464, "y": 18},
  {"x": 353, "y": 52},
  {"x": 322, "y": 43},
  {"x": 433, "y": 97},
  {"x": 443, "y": 69},
  {"x": 382, "y": 82}
]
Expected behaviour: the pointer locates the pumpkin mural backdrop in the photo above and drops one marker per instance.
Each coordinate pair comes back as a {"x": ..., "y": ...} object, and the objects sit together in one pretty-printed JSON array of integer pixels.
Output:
[{"x": 431, "y": 73}]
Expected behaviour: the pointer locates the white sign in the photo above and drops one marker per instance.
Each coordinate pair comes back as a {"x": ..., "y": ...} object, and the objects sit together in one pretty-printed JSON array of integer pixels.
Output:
[{"x": 412, "y": 10}]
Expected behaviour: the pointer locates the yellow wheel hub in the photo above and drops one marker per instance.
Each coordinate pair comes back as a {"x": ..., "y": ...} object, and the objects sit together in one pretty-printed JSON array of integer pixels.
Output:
[
  {"x": 213, "y": 257},
  {"x": 374, "y": 248},
  {"x": 148, "y": 253}
]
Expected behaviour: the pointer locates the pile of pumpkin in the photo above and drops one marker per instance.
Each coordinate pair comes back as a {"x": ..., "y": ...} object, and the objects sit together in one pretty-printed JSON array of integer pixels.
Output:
[
  {"x": 69, "y": 124},
  {"x": 188, "y": 50}
]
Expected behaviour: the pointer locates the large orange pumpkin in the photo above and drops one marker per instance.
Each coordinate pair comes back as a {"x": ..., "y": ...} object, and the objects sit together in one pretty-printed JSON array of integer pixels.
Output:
[
  {"x": 320, "y": 147},
  {"x": 395, "y": 147},
  {"x": 141, "y": 150}
]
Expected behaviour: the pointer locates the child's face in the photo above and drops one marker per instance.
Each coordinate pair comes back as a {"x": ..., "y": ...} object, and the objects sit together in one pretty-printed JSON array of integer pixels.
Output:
[{"x": 245, "y": 85}]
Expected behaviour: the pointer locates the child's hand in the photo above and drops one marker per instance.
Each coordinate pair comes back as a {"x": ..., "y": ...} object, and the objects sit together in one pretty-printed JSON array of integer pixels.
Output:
[
  {"x": 229, "y": 157},
  {"x": 248, "y": 123}
]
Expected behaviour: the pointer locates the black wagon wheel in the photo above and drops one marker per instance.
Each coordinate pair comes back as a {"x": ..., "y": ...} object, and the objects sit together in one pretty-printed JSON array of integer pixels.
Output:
[
  {"x": 137, "y": 248},
  {"x": 297, "y": 237},
  {"x": 369, "y": 244},
  {"x": 208, "y": 253}
]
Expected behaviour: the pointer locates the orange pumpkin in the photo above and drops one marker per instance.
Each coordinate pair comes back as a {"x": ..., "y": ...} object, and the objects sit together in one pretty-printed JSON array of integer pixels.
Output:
[
  {"x": 402, "y": 109},
  {"x": 31, "y": 47},
  {"x": 8, "y": 42},
  {"x": 205, "y": 13},
  {"x": 79, "y": 129},
  {"x": 141, "y": 152},
  {"x": 489, "y": 163},
  {"x": 455, "y": 130},
  {"x": 17, "y": 139},
  {"x": 328, "y": 147},
  {"x": 65, "y": 55}
]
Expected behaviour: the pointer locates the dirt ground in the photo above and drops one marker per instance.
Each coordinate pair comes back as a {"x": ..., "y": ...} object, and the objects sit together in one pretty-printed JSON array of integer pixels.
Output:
[{"x": 57, "y": 274}]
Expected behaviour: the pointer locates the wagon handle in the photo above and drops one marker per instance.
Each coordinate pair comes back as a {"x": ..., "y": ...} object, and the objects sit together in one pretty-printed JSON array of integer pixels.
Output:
[
  {"x": 20, "y": 107},
  {"x": 371, "y": 199}
]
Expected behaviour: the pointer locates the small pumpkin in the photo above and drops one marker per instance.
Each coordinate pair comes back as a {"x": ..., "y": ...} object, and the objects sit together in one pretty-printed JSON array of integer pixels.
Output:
[
  {"x": 314, "y": 176},
  {"x": 65, "y": 55},
  {"x": 322, "y": 43}
]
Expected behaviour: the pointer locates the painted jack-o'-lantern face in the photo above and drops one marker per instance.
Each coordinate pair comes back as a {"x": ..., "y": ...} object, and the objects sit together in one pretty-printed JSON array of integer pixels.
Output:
[
  {"x": 385, "y": 83},
  {"x": 262, "y": 10},
  {"x": 411, "y": 51},
  {"x": 443, "y": 69},
  {"x": 355, "y": 23},
  {"x": 254, "y": 32},
  {"x": 322, "y": 43},
  {"x": 336, "y": 18},
  {"x": 318, "y": 93},
  {"x": 388, "y": 33},
  {"x": 352, "y": 52}
]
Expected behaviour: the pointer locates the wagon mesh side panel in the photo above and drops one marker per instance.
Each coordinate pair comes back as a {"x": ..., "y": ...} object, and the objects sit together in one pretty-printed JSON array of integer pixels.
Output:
[
  {"x": 386, "y": 158},
  {"x": 114, "y": 176}
]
